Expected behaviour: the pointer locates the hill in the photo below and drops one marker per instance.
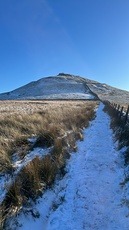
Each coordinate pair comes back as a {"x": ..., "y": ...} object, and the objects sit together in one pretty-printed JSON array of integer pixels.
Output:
[
  {"x": 66, "y": 86},
  {"x": 58, "y": 87}
]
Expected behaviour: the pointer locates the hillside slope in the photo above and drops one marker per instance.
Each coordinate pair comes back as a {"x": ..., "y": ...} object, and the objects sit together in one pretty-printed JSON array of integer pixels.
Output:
[
  {"x": 106, "y": 92},
  {"x": 59, "y": 87},
  {"x": 66, "y": 86}
]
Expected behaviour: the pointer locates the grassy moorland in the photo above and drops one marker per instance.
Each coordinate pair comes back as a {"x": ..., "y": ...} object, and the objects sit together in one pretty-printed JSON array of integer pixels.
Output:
[{"x": 55, "y": 124}]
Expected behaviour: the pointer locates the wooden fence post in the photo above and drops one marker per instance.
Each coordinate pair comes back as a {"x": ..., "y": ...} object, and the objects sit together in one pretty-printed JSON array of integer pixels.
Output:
[
  {"x": 126, "y": 116},
  {"x": 121, "y": 112},
  {"x": 115, "y": 106},
  {"x": 118, "y": 108}
]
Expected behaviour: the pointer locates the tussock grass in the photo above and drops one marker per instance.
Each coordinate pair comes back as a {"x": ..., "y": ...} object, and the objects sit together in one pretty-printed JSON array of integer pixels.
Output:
[
  {"x": 54, "y": 123},
  {"x": 43, "y": 120}
]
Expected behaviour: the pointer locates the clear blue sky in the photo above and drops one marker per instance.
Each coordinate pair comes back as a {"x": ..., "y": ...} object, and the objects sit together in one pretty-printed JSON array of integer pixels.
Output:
[{"x": 41, "y": 38}]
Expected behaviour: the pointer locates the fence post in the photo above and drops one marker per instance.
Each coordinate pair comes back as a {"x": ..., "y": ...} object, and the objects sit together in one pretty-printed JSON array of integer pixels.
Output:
[
  {"x": 121, "y": 111},
  {"x": 115, "y": 106},
  {"x": 126, "y": 116},
  {"x": 118, "y": 108}
]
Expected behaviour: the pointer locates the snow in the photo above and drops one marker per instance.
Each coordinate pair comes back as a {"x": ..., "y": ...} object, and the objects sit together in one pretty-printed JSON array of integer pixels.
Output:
[
  {"x": 61, "y": 96},
  {"x": 59, "y": 87},
  {"x": 66, "y": 87},
  {"x": 89, "y": 196},
  {"x": 6, "y": 179},
  {"x": 40, "y": 152}
]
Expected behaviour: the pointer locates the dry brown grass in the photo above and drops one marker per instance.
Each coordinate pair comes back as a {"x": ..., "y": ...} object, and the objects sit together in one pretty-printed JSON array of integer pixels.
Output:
[
  {"x": 54, "y": 123},
  {"x": 22, "y": 119}
]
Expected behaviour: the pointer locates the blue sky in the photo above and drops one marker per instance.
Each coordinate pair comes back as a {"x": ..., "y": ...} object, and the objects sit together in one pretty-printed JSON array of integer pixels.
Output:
[{"x": 40, "y": 38}]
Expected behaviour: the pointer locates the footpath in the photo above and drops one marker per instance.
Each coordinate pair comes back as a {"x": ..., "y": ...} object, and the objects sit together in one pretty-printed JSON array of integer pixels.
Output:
[{"x": 89, "y": 196}]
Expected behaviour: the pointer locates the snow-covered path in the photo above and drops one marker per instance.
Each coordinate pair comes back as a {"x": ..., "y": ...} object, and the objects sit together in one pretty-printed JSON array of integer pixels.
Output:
[{"x": 89, "y": 196}]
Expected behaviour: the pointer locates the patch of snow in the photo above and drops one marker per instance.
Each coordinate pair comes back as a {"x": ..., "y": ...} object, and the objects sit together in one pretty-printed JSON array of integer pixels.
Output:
[
  {"x": 4, "y": 182},
  {"x": 40, "y": 152},
  {"x": 32, "y": 140},
  {"x": 7, "y": 179},
  {"x": 70, "y": 96},
  {"x": 89, "y": 196}
]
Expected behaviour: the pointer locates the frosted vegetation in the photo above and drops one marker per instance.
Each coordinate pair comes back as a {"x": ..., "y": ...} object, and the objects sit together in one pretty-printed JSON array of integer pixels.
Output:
[{"x": 35, "y": 144}]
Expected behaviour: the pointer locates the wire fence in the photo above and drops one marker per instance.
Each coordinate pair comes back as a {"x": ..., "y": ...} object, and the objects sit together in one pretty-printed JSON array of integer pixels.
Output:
[{"x": 121, "y": 112}]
